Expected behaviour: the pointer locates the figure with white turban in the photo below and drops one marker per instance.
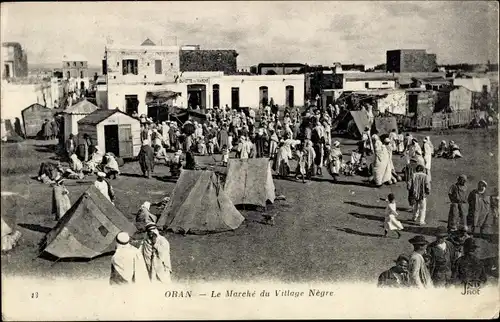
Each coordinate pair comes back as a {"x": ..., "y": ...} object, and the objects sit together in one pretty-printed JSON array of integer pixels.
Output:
[
  {"x": 244, "y": 148},
  {"x": 95, "y": 160},
  {"x": 381, "y": 168},
  {"x": 335, "y": 160},
  {"x": 105, "y": 187},
  {"x": 111, "y": 166},
  {"x": 156, "y": 252},
  {"x": 428, "y": 151},
  {"x": 127, "y": 263},
  {"x": 165, "y": 129}
]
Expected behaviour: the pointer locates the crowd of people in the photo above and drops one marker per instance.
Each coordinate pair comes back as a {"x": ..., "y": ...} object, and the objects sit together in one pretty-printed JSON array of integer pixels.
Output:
[{"x": 306, "y": 138}]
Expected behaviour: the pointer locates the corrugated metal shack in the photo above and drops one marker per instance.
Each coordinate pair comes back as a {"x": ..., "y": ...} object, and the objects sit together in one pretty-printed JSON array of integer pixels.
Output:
[{"x": 34, "y": 116}]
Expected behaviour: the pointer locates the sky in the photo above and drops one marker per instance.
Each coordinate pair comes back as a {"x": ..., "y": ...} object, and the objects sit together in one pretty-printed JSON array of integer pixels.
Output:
[{"x": 312, "y": 32}]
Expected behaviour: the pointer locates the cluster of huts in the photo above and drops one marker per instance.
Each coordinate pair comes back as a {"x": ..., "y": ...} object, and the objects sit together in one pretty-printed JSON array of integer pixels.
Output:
[{"x": 433, "y": 104}]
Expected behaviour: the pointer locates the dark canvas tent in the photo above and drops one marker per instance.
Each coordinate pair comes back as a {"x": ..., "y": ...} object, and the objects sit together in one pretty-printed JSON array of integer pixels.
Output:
[
  {"x": 198, "y": 205},
  {"x": 385, "y": 125},
  {"x": 354, "y": 122},
  {"x": 88, "y": 229},
  {"x": 250, "y": 182}
]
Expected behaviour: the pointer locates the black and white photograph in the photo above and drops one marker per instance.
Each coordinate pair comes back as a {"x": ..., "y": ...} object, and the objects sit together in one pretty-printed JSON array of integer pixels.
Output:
[{"x": 182, "y": 160}]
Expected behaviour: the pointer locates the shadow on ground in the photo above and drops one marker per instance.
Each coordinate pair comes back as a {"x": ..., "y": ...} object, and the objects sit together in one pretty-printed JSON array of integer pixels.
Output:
[
  {"x": 360, "y": 233},
  {"x": 354, "y": 203},
  {"x": 36, "y": 227}
]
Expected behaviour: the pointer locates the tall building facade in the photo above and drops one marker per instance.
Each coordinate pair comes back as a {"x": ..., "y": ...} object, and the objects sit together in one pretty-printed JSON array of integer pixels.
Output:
[
  {"x": 410, "y": 61},
  {"x": 134, "y": 71},
  {"x": 76, "y": 71},
  {"x": 14, "y": 60}
]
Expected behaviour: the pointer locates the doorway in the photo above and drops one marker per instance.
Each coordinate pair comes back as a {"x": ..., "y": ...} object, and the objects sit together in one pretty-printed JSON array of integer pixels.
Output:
[
  {"x": 263, "y": 96},
  {"x": 111, "y": 139},
  {"x": 131, "y": 104},
  {"x": 82, "y": 85},
  {"x": 289, "y": 96},
  {"x": 235, "y": 97},
  {"x": 125, "y": 145},
  {"x": 197, "y": 96},
  {"x": 7, "y": 71},
  {"x": 215, "y": 95},
  {"x": 412, "y": 103}
]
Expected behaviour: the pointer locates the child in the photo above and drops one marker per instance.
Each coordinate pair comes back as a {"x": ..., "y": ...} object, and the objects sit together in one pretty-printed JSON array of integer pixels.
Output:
[
  {"x": 301, "y": 155},
  {"x": 225, "y": 155},
  {"x": 391, "y": 223}
]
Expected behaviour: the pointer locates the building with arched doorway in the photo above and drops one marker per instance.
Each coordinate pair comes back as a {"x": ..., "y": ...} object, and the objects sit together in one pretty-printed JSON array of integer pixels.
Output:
[
  {"x": 141, "y": 79},
  {"x": 75, "y": 71}
]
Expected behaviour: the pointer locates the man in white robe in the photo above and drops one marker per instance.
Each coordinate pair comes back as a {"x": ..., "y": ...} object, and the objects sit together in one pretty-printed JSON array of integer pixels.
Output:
[
  {"x": 105, "y": 187},
  {"x": 156, "y": 252},
  {"x": 127, "y": 264}
]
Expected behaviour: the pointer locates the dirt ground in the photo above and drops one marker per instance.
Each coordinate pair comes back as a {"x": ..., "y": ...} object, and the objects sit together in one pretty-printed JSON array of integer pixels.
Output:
[{"x": 323, "y": 231}]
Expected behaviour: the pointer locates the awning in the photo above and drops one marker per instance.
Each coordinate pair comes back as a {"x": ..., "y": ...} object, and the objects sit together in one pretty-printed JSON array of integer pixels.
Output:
[{"x": 160, "y": 97}]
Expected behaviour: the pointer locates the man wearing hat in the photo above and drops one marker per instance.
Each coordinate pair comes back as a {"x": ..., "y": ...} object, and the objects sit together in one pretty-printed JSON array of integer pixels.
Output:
[
  {"x": 442, "y": 257},
  {"x": 396, "y": 276},
  {"x": 156, "y": 252},
  {"x": 458, "y": 204},
  {"x": 479, "y": 208},
  {"x": 419, "y": 274},
  {"x": 105, "y": 187},
  {"x": 469, "y": 268},
  {"x": 127, "y": 264}
]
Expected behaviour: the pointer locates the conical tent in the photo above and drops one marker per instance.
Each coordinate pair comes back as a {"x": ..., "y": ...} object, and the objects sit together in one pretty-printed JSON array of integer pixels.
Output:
[
  {"x": 88, "y": 229},
  {"x": 5, "y": 228},
  {"x": 198, "y": 205},
  {"x": 250, "y": 182}
]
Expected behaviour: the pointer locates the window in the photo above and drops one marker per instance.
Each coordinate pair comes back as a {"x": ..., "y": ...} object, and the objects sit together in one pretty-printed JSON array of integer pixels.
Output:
[
  {"x": 81, "y": 74},
  {"x": 81, "y": 64},
  {"x": 130, "y": 66},
  {"x": 485, "y": 88},
  {"x": 367, "y": 85},
  {"x": 215, "y": 94},
  {"x": 289, "y": 96},
  {"x": 68, "y": 74},
  {"x": 131, "y": 104},
  {"x": 384, "y": 83},
  {"x": 235, "y": 97},
  {"x": 158, "y": 70},
  {"x": 74, "y": 63},
  {"x": 67, "y": 64},
  {"x": 104, "y": 67},
  {"x": 263, "y": 96}
]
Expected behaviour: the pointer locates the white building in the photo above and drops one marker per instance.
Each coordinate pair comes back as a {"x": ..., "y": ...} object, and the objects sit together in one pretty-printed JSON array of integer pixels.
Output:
[
  {"x": 364, "y": 81},
  {"x": 138, "y": 75},
  {"x": 474, "y": 84},
  {"x": 75, "y": 71}
]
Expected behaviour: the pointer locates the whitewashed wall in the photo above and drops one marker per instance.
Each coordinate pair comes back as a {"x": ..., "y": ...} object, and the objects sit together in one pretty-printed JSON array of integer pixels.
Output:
[
  {"x": 16, "y": 97},
  {"x": 117, "y": 119},
  {"x": 117, "y": 92},
  {"x": 394, "y": 102},
  {"x": 249, "y": 88},
  {"x": 359, "y": 85}
]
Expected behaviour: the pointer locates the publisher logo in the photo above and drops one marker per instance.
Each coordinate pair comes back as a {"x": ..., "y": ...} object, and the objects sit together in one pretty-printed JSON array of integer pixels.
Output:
[{"x": 471, "y": 288}]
